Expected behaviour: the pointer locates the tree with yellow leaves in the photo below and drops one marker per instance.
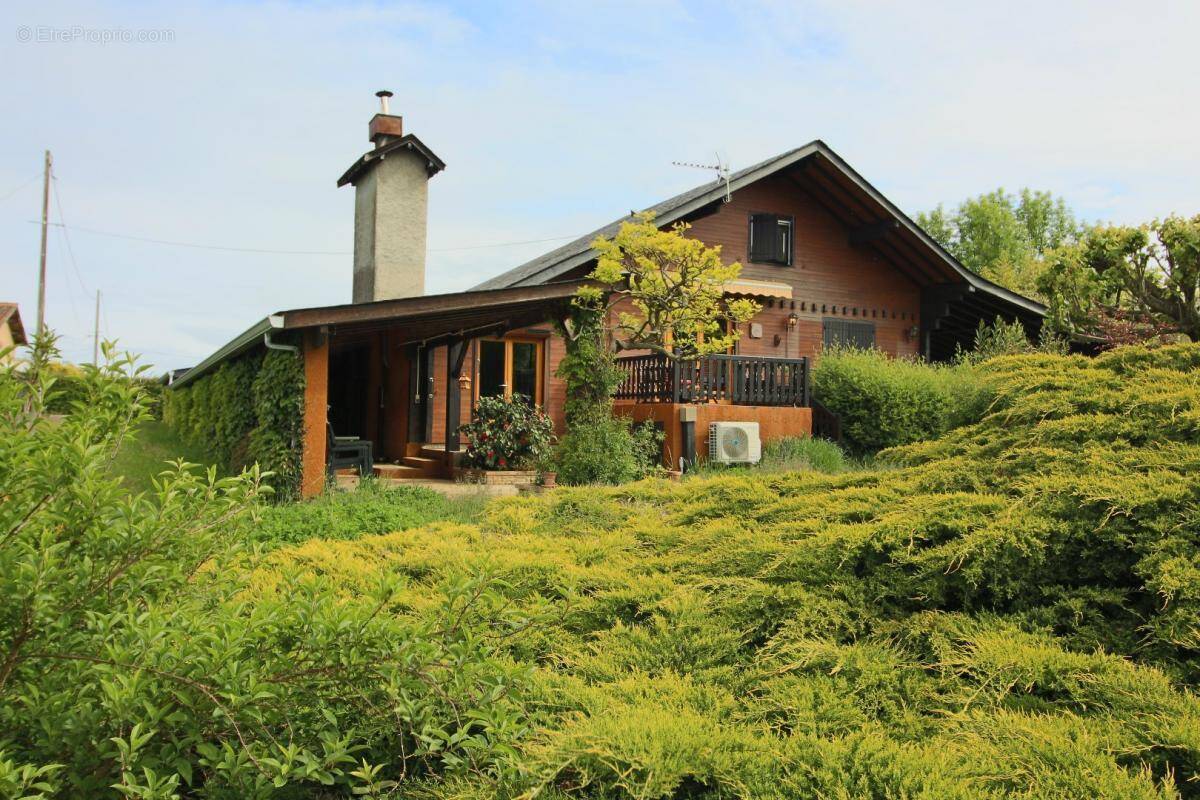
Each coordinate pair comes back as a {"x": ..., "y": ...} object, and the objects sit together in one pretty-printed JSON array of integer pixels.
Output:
[{"x": 675, "y": 285}]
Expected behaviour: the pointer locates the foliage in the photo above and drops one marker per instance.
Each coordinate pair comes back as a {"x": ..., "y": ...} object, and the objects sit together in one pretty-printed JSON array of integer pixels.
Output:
[
  {"x": 1002, "y": 338},
  {"x": 1119, "y": 281},
  {"x": 249, "y": 410},
  {"x": 675, "y": 286},
  {"x": 588, "y": 367},
  {"x": 789, "y": 454},
  {"x": 1004, "y": 237},
  {"x": 135, "y": 662},
  {"x": 1012, "y": 610},
  {"x": 803, "y": 452},
  {"x": 610, "y": 449},
  {"x": 275, "y": 441},
  {"x": 598, "y": 447},
  {"x": 373, "y": 508},
  {"x": 507, "y": 434},
  {"x": 885, "y": 401},
  {"x": 151, "y": 445}
]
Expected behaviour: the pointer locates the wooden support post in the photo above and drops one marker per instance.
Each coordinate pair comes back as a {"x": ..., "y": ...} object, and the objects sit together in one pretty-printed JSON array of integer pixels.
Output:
[
  {"x": 316, "y": 411},
  {"x": 807, "y": 385},
  {"x": 455, "y": 355}
]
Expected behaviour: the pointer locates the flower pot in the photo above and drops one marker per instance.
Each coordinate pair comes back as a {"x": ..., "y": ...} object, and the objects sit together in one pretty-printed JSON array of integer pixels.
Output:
[{"x": 549, "y": 480}]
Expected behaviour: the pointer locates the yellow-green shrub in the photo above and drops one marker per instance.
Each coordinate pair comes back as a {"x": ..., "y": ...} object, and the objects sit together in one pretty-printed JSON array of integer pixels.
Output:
[{"x": 1012, "y": 609}]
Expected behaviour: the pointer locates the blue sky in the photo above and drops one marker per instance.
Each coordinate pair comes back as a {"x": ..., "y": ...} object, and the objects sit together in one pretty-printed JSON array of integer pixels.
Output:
[{"x": 553, "y": 118}]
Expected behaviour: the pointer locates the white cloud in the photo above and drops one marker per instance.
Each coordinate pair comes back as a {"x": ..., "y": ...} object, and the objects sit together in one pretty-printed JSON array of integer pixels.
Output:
[{"x": 553, "y": 119}]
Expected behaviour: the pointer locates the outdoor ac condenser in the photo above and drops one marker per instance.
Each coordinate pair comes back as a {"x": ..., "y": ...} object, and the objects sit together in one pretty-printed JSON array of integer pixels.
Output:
[{"x": 734, "y": 443}]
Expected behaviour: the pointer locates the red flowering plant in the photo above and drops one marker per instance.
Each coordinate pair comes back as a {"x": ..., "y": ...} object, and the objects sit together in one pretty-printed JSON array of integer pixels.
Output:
[{"x": 507, "y": 434}]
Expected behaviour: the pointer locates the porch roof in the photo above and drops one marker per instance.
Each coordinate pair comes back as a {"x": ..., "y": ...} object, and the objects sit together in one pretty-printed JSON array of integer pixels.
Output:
[{"x": 429, "y": 318}]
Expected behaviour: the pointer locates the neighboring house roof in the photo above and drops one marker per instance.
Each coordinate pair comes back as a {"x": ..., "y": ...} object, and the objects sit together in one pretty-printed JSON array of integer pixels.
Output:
[
  {"x": 822, "y": 172},
  {"x": 10, "y": 315}
]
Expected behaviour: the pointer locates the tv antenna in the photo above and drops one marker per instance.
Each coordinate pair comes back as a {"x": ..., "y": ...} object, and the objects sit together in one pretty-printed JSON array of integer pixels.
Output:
[{"x": 721, "y": 168}]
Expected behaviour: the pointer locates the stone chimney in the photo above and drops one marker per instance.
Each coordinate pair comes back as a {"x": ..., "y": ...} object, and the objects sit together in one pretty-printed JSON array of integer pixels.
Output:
[{"x": 391, "y": 184}]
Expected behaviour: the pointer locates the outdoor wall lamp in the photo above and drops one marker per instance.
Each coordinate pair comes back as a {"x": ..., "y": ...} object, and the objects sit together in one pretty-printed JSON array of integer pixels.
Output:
[{"x": 793, "y": 320}]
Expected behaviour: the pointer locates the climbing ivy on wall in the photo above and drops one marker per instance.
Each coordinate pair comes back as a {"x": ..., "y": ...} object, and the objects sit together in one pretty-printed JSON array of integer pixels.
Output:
[{"x": 250, "y": 410}]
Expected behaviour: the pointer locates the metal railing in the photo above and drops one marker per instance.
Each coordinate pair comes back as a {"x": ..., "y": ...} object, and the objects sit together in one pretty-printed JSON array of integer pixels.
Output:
[{"x": 740, "y": 380}]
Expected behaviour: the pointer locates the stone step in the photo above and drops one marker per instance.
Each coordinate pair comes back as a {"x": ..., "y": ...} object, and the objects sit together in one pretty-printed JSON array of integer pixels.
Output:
[
  {"x": 423, "y": 462},
  {"x": 398, "y": 471}
]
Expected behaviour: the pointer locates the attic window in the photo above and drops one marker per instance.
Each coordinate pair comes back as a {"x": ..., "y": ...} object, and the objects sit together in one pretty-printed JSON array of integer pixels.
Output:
[{"x": 771, "y": 239}]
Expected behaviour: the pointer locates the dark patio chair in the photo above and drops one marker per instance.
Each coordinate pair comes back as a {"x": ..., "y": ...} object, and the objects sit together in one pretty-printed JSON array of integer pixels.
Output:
[{"x": 349, "y": 451}]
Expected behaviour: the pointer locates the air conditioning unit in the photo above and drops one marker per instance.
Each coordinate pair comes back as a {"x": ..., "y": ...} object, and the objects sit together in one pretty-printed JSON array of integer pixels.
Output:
[{"x": 734, "y": 443}]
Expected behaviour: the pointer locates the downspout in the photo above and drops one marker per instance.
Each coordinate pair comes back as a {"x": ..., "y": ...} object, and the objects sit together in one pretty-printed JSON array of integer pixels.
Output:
[{"x": 277, "y": 322}]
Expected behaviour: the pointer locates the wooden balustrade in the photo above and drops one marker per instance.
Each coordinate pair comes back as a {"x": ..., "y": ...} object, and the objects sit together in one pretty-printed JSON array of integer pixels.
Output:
[{"x": 741, "y": 380}]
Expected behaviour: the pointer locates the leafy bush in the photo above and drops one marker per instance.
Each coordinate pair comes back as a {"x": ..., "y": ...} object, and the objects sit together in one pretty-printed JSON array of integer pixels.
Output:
[
  {"x": 139, "y": 658},
  {"x": 607, "y": 449},
  {"x": 1011, "y": 610},
  {"x": 803, "y": 452},
  {"x": 372, "y": 508},
  {"x": 250, "y": 410},
  {"x": 1000, "y": 338},
  {"x": 506, "y": 434},
  {"x": 884, "y": 401}
]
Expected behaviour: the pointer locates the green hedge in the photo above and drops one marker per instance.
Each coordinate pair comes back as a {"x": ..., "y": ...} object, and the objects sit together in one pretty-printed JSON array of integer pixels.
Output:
[
  {"x": 884, "y": 401},
  {"x": 250, "y": 410}
]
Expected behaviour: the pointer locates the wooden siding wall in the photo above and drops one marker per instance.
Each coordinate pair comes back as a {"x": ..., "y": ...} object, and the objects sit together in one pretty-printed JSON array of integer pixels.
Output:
[
  {"x": 829, "y": 276},
  {"x": 554, "y": 390}
]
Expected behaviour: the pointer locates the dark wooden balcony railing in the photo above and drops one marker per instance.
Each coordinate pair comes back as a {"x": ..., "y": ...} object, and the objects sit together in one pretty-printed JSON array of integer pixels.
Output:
[{"x": 741, "y": 380}]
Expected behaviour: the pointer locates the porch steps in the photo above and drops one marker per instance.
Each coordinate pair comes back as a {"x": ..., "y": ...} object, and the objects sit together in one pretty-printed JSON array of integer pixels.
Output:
[
  {"x": 431, "y": 466},
  {"x": 394, "y": 471}
]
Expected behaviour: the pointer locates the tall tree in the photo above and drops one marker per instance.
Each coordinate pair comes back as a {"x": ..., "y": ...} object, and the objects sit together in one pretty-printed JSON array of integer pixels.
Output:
[
  {"x": 1143, "y": 279},
  {"x": 1004, "y": 237}
]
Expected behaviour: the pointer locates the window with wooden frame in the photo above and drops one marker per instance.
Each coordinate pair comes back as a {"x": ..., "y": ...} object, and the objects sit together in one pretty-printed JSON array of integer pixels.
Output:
[
  {"x": 510, "y": 368},
  {"x": 771, "y": 239}
]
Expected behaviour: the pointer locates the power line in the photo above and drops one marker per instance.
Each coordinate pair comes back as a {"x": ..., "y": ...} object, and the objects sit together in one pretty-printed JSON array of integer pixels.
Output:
[
  {"x": 19, "y": 188},
  {"x": 62, "y": 226},
  {"x": 503, "y": 244},
  {"x": 198, "y": 246},
  {"x": 269, "y": 251}
]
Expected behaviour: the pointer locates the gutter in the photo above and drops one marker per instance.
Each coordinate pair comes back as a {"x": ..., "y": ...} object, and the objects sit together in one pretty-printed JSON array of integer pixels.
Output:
[
  {"x": 244, "y": 341},
  {"x": 276, "y": 321}
]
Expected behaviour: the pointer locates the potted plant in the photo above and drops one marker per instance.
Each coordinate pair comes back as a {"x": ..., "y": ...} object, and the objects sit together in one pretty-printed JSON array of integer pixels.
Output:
[
  {"x": 547, "y": 471},
  {"x": 505, "y": 441}
]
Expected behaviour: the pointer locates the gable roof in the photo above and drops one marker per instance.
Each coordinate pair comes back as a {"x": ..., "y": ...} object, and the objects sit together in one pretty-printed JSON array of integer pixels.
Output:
[
  {"x": 821, "y": 172},
  {"x": 10, "y": 315}
]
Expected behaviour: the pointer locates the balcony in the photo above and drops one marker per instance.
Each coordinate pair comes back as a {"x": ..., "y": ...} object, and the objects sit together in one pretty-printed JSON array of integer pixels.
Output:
[{"x": 736, "y": 380}]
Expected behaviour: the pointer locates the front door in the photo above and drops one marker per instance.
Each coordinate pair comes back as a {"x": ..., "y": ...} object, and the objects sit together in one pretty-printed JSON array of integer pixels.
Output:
[
  {"x": 510, "y": 368},
  {"x": 420, "y": 394}
]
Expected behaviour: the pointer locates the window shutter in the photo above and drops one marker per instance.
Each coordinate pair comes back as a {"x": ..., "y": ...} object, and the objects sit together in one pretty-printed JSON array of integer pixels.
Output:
[{"x": 764, "y": 239}]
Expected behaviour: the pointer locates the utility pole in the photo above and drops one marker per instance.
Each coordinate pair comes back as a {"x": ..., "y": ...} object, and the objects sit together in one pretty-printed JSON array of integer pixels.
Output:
[
  {"x": 96, "y": 334},
  {"x": 41, "y": 311}
]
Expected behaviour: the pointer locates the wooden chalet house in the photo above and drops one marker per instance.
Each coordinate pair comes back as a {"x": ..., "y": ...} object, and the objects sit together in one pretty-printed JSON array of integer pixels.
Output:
[{"x": 829, "y": 258}]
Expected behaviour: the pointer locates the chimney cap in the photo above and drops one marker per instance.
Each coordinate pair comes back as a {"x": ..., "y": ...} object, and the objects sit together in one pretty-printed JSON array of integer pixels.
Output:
[{"x": 383, "y": 93}]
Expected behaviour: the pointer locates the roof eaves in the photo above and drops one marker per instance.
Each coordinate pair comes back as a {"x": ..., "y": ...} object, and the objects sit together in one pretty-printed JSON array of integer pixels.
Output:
[
  {"x": 406, "y": 142},
  {"x": 10, "y": 314},
  {"x": 235, "y": 347},
  {"x": 976, "y": 281},
  {"x": 671, "y": 210}
]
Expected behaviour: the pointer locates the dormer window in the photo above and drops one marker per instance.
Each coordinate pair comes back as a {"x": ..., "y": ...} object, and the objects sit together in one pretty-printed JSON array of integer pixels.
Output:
[{"x": 771, "y": 239}]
